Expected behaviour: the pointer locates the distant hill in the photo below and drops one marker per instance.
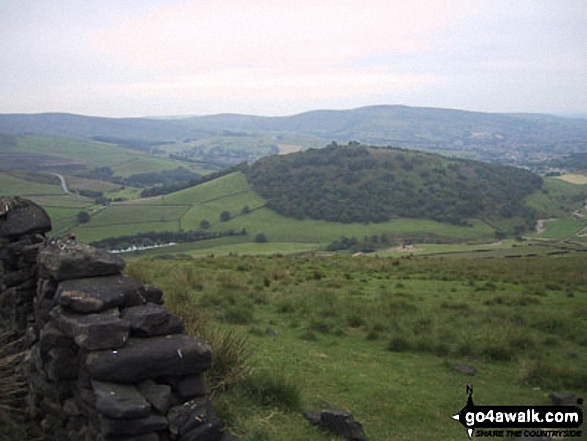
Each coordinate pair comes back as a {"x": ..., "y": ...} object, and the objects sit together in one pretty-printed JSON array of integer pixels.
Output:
[
  {"x": 89, "y": 127},
  {"x": 357, "y": 183},
  {"x": 496, "y": 137}
]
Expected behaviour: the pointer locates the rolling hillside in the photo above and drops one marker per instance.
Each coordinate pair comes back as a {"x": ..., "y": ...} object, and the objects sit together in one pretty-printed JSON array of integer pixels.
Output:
[
  {"x": 185, "y": 210},
  {"x": 356, "y": 183},
  {"x": 513, "y": 138}
]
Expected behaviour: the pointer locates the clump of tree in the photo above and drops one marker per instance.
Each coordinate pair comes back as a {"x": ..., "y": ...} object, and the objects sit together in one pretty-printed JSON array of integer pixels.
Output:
[
  {"x": 367, "y": 244},
  {"x": 225, "y": 216},
  {"x": 357, "y": 183},
  {"x": 83, "y": 217},
  {"x": 261, "y": 238}
]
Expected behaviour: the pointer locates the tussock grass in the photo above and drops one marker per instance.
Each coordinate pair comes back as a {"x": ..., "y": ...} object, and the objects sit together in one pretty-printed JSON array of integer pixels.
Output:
[
  {"x": 270, "y": 388},
  {"x": 495, "y": 313}
]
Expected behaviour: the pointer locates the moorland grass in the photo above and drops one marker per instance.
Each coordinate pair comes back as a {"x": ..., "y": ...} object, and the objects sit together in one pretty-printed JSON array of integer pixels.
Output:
[
  {"x": 366, "y": 334},
  {"x": 124, "y": 162}
]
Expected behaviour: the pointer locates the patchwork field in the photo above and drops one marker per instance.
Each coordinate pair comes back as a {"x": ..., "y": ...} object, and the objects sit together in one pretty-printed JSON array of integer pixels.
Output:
[
  {"x": 124, "y": 162},
  {"x": 186, "y": 209}
]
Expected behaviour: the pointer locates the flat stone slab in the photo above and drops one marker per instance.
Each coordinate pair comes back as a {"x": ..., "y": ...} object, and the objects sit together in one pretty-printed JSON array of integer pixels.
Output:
[
  {"x": 464, "y": 369},
  {"x": 159, "y": 395},
  {"x": 120, "y": 400},
  {"x": 562, "y": 399},
  {"x": 189, "y": 416},
  {"x": 97, "y": 294},
  {"x": 151, "y": 320},
  {"x": 135, "y": 426},
  {"x": 337, "y": 422},
  {"x": 104, "y": 330},
  {"x": 64, "y": 260},
  {"x": 155, "y": 357},
  {"x": 19, "y": 216}
]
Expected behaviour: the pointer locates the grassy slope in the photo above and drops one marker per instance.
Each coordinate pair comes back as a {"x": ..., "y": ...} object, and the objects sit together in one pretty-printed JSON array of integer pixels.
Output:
[
  {"x": 515, "y": 320},
  {"x": 187, "y": 208},
  {"x": 561, "y": 199},
  {"x": 61, "y": 207},
  {"x": 123, "y": 162}
]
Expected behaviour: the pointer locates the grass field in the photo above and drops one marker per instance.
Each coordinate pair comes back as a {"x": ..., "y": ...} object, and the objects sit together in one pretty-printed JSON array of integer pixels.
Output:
[
  {"x": 186, "y": 209},
  {"x": 575, "y": 179},
  {"x": 559, "y": 198},
  {"x": 563, "y": 228},
  {"x": 124, "y": 162},
  {"x": 377, "y": 337},
  {"x": 62, "y": 208}
]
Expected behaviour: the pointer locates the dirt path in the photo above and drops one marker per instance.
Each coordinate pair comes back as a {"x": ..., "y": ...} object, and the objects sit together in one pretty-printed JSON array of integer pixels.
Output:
[{"x": 63, "y": 183}]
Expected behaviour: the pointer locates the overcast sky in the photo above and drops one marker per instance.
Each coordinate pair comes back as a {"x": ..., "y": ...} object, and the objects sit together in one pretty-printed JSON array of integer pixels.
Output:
[{"x": 276, "y": 57}]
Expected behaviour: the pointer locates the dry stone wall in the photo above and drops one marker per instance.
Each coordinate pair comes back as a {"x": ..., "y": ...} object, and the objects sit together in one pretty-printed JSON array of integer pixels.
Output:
[{"x": 104, "y": 360}]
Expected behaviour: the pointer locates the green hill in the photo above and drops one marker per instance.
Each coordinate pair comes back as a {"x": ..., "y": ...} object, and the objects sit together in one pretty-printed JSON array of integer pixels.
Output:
[
  {"x": 356, "y": 183},
  {"x": 185, "y": 210}
]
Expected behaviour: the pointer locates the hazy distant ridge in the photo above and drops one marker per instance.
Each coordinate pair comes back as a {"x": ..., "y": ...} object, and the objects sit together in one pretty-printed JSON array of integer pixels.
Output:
[{"x": 389, "y": 125}]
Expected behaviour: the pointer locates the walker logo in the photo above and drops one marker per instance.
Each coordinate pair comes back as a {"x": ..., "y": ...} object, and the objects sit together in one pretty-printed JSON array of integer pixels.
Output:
[{"x": 553, "y": 421}]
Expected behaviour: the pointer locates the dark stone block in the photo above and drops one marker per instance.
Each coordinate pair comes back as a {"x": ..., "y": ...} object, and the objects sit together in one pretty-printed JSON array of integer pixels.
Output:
[
  {"x": 52, "y": 337},
  {"x": 563, "y": 399},
  {"x": 43, "y": 310},
  {"x": 464, "y": 369},
  {"x": 155, "y": 357},
  {"x": 62, "y": 364},
  {"x": 208, "y": 431},
  {"x": 313, "y": 416},
  {"x": 120, "y": 401},
  {"x": 144, "y": 437},
  {"x": 105, "y": 330},
  {"x": 70, "y": 407},
  {"x": 20, "y": 216},
  {"x": 339, "y": 423},
  {"x": 159, "y": 395},
  {"x": 135, "y": 426},
  {"x": 30, "y": 253},
  {"x": 99, "y": 293},
  {"x": 151, "y": 320},
  {"x": 56, "y": 391},
  {"x": 65, "y": 260},
  {"x": 46, "y": 288},
  {"x": 151, "y": 294},
  {"x": 52, "y": 407},
  {"x": 191, "y": 386},
  {"x": 188, "y": 416},
  {"x": 20, "y": 276}
]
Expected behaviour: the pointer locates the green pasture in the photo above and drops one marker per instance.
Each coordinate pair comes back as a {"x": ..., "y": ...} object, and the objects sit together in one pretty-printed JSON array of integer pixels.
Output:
[
  {"x": 13, "y": 186},
  {"x": 231, "y": 193},
  {"x": 377, "y": 337},
  {"x": 91, "y": 233},
  {"x": 122, "y": 214},
  {"x": 558, "y": 198},
  {"x": 124, "y": 162},
  {"x": 563, "y": 228}
]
